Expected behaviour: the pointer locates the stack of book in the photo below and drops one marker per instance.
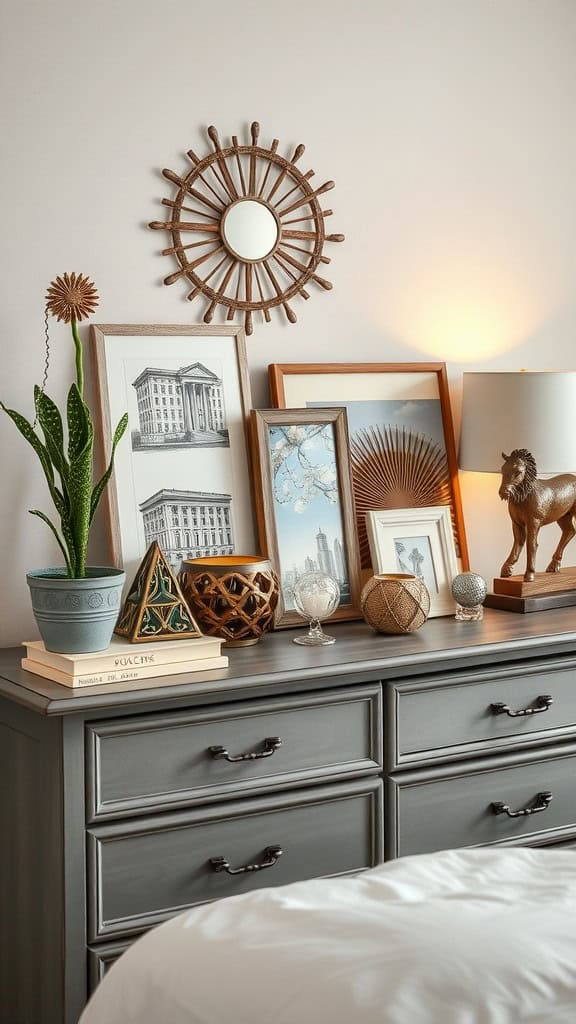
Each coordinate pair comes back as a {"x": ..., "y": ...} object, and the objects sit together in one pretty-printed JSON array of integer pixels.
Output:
[{"x": 124, "y": 662}]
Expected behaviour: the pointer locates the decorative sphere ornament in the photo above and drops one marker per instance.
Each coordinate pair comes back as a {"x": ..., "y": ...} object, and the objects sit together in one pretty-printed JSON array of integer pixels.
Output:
[
  {"x": 395, "y": 603},
  {"x": 316, "y": 596},
  {"x": 469, "y": 591}
]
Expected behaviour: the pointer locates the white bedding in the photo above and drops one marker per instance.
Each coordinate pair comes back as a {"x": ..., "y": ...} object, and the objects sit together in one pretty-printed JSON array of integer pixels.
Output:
[{"x": 461, "y": 937}]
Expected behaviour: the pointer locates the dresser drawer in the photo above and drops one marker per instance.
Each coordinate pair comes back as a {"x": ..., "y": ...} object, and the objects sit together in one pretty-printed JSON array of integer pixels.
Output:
[
  {"x": 145, "y": 871},
  {"x": 101, "y": 959},
  {"x": 452, "y": 808},
  {"x": 455, "y": 716},
  {"x": 146, "y": 762}
]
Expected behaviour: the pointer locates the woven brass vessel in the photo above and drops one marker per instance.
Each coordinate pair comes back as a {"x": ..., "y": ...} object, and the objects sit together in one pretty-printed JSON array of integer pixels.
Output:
[
  {"x": 231, "y": 596},
  {"x": 395, "y": 603}
]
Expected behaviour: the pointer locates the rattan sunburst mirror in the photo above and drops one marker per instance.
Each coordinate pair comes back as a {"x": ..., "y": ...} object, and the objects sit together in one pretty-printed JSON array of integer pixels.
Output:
[{"x": 258, "y": 228}]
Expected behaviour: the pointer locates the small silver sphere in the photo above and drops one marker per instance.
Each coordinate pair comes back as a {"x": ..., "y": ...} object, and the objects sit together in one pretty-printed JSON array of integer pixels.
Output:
[{"x": 469, "y": 589}]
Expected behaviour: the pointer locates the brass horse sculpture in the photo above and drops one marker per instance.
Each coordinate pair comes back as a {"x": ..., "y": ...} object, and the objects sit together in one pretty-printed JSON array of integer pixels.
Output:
[{"x": 533, "y": 503}]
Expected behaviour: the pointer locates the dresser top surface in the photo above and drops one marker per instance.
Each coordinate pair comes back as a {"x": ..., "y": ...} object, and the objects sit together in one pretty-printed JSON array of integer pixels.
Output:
[{"x": 277, "y": 663}]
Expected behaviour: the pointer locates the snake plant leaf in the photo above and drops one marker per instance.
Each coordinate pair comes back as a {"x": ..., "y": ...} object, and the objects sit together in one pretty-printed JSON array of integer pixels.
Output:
[
  {"x": 80, "y": 491},
  {"x": 51, "y": 418},
  {"x": 69, "y": 539},
  {"x": 51, "y": 422},
  {"x": 28, "y": 432},
  {"x": 79, "y": 424},
  {"x": 99, "y": 488},
  {"x": 61, "y": 504},
  {"x": 67, "y": 554},
  {"x": 80, "y": 453}
]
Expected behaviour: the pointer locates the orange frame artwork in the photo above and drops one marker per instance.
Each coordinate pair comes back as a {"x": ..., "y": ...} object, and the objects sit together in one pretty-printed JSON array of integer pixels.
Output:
[{"x": 402, "y": 448}]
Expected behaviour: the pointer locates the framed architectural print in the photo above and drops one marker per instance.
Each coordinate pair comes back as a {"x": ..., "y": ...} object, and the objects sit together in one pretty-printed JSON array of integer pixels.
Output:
[
  {"x": 182, "y": 473},
  {"x": 402, "y": 447},
  {"x": 304, "y": 505},
  {"x": 418, "y": 541}
]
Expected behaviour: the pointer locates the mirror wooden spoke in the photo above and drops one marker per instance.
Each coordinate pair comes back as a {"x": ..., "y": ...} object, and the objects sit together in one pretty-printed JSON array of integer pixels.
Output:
[{"x": 260, "y": 230}]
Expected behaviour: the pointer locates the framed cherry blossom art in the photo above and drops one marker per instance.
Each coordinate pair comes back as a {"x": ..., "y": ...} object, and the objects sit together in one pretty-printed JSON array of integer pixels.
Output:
[{"x": 304, "y": 508}]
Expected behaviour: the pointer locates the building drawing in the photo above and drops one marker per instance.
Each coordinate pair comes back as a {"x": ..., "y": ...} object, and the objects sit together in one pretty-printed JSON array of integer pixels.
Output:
[
  {"x": 188, "y": 524},
  {"x": 341, "y": 573},
  {"x": 325, "y": 556},
  {"x": 327, "y": 560},
  {"x": 180, "y": 407}
]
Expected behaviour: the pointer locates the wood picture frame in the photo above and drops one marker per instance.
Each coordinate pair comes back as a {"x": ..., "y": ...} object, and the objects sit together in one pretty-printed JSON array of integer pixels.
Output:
[
  {"x": 417, "y": 541},
  {"x": 384, "y": 457},
  {"x": 287, "y": 536},
  {"x": 202, "y": 404}
]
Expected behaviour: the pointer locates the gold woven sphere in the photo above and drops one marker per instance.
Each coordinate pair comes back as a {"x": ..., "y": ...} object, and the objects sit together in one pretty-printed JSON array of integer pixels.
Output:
[{"x": 395, "y": 603}]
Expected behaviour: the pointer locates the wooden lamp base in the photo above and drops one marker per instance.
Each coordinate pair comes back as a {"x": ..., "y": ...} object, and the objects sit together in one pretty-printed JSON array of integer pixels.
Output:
[{"x": 548, "y": 590}]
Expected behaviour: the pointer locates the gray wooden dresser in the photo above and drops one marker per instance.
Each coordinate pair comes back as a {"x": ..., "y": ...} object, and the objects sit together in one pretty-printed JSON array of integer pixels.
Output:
[{"x": 122, "y": 807}]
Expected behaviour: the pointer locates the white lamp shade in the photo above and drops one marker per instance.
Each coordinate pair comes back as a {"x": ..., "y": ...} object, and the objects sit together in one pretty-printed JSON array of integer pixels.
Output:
[{"x": 503, "y": 411}]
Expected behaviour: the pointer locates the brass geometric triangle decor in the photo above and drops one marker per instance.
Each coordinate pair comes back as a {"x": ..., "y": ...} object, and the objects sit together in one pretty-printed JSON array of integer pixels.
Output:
[{"x": 155, "y": 608}]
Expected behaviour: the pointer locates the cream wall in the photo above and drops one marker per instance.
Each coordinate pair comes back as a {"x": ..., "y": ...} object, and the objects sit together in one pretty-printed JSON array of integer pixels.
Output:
[{"x": 448, "y": 126}]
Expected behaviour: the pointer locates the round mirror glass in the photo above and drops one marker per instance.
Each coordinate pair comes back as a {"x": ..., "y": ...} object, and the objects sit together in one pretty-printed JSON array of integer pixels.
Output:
[{"x": 249, "y": 229}]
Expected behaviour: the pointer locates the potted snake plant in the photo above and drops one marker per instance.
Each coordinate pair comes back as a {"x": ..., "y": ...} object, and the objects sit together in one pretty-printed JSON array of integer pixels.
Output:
[{"x": 75, "y": 605}]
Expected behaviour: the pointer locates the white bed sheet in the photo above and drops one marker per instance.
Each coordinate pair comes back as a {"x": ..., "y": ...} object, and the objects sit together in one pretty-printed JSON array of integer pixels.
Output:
[{"x": 459, "y": 937}]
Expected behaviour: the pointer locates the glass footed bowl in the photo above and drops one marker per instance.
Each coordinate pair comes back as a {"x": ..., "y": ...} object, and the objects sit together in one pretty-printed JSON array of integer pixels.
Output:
[{"x": 316, "y": 597}]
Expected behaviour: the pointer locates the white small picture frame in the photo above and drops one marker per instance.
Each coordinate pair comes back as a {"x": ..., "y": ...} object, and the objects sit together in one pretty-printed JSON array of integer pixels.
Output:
[{"x": 419, "y": 541}]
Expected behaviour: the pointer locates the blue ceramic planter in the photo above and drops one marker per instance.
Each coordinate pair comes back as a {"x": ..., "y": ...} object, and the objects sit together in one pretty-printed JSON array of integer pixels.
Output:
[{"x": 76, "y": 616}]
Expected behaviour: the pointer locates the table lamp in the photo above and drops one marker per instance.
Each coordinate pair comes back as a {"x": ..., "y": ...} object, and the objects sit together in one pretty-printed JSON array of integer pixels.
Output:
[{"x": 523, "y": 425}]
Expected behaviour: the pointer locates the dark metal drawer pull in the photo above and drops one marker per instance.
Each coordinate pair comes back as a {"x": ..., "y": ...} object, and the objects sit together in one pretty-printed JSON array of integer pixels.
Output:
[
  {"x": 543, "y": 703},
  {"x": 271, "y": 857},
  {"x": 541, "y": 802},
  {"x": 271, "y": 744}
]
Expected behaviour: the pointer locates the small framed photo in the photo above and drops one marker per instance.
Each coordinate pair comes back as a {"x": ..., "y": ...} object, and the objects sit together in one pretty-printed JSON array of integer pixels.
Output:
[
  {"x": 402, "y": 450},
  {"x": 182, "y": 472},
  {"x": 418, "y": 541},
  {"x": 304, "y": 507}
]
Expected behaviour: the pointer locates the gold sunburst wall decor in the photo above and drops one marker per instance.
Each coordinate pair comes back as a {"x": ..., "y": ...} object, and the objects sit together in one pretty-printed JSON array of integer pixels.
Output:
[{"x": 256, "y": 227}]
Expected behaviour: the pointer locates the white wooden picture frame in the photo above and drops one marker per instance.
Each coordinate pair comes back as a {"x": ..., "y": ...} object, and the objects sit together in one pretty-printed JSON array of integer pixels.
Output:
[
  {"x": 182, "y": 475},
  {"x": 419, "y": 541}
]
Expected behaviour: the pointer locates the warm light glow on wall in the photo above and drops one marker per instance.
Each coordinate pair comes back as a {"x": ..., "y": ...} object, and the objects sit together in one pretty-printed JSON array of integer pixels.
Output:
[
  {"x": 487, "y": 522},
  {"x": 481, "y": 486},
  {"x": 462, "y": 314}
]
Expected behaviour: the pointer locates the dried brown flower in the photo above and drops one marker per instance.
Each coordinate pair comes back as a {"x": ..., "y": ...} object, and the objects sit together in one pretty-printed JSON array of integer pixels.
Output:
[{"x": 71, "y": 297}]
